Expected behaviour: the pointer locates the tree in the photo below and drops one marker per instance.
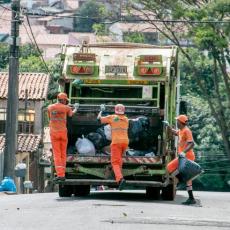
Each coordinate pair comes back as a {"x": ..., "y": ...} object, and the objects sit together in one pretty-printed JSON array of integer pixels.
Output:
[
  {"x": 211, "y": 38},
  {"x": 26, "y": 51},
  {"x": 4, "y": 56},
  {"x": 135, "y": 37},
  {"x": 89, "y": 13}
]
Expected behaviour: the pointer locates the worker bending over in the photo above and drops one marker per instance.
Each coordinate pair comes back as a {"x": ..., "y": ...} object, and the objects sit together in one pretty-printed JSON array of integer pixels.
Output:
[
  {"x": 57, "y": 114},
  {"x": 119, "y": 130},
  {"x": 185, "y": 148}
]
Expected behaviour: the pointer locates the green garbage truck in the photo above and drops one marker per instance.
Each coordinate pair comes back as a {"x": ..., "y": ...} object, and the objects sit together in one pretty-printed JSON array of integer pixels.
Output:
[{"x": 144, "y": 78}]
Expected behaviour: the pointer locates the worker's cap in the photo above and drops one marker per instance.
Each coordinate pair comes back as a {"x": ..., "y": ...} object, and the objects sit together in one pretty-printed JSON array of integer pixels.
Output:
[
  {"x": 62, "y": 96},
  {"x": 182, "y": 118}
]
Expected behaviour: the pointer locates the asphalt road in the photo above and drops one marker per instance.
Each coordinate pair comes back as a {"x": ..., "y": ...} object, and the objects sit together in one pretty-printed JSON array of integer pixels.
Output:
[{"x": 105, "y": 210}]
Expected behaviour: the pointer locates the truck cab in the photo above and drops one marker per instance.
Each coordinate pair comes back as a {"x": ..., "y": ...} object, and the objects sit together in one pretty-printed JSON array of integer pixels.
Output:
[{"x": 142, "y": 77}]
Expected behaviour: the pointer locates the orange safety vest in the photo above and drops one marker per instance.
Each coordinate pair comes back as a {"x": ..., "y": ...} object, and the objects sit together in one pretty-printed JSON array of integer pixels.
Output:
[
  {"x": 57, "y": 114},
  {"x": 119, "y": 128},
  {"x": 185, "y": 137}
]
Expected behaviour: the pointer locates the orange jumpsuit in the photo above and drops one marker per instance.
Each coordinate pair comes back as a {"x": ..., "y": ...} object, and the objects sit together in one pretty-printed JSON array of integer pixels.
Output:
[
  {"x": 185, "y": 136},
  {"x": 58, "y": 133},
  {"x": 119, "y": 128}
]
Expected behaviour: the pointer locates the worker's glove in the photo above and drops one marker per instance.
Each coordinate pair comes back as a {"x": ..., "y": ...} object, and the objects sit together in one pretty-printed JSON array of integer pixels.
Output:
[
  {"x": 182, "y": 154},
  {"x": 76, "y": 106},
  {"x": 102, "y": 107},
  {"x": 165, "y": 123}
]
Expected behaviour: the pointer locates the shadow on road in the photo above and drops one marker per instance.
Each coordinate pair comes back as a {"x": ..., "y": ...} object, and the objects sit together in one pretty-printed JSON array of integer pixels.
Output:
[{"x": 124, "y": 196}]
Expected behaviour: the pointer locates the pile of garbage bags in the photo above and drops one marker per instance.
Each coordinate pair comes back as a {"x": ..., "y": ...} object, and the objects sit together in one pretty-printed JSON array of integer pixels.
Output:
[{"x": 138, "y": 132}]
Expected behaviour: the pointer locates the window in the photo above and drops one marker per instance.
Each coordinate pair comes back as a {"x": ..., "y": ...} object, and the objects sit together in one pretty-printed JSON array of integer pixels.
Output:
[
  {"x": 25, "y": 121},
  {"x": 2, "y": 120}
]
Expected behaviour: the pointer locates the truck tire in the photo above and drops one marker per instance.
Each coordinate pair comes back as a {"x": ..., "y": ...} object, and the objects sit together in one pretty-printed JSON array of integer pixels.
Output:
[
  {"x": 169, "y": 192},
  {"x": 65, "y": 190},
  {"x": 153, "y": 193},
  {"x": 81, "y": 190}
]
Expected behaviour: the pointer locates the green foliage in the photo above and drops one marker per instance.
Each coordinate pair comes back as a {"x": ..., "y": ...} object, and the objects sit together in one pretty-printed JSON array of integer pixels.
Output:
[
  {"x": 4, "y": 56},
  {"x": 56, "y": 68},
  {"x": 28, "y": 53},
  {"x": 28, "y": 50},
  {"x": 99, "y": 29},
  {"x": 209, "y": 149},
  {"x": 31, "y": 64},
  {"x": 90, "y": 13},
  {"x": 134, "y": 37}
]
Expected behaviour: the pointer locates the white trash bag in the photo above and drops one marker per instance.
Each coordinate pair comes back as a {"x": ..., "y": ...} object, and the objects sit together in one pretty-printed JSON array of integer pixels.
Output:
[
  {"x": 85, "y": 146},
  {"x": 107, "y": 130}
]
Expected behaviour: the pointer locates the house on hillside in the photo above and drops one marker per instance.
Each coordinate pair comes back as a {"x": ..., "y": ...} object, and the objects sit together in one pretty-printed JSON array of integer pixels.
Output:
[
  {"x": 33, "y": 88},
  {"x": 119, "y": 30}
]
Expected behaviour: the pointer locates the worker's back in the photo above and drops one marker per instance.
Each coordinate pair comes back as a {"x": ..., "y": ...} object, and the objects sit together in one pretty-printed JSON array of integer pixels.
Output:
[{"x": 58, "y": 113}]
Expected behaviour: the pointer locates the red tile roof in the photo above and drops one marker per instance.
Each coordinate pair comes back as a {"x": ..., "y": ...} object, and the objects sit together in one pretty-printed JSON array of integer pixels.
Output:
[
  {"x": 26, "y": 142},
  {"x": 35, "y": 83}
]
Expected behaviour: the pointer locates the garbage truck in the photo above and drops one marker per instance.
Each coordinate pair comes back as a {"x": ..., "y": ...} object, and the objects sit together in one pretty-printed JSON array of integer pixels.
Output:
[{"x": 144, "y": 78}]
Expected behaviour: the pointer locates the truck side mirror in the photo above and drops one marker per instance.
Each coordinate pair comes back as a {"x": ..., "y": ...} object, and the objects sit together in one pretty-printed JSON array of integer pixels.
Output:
[{"x": 183, "y": 107}]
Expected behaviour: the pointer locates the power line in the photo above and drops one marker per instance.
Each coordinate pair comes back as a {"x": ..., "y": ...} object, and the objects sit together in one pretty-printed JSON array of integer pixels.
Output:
[
  {"x": 39, "y": 51},
  {"x": 6, "y": 8},
  {"x": 123, "y": 19}
]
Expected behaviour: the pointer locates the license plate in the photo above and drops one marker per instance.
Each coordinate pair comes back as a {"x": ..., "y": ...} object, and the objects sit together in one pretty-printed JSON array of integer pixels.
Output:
[{"x": 115, "y": 69}]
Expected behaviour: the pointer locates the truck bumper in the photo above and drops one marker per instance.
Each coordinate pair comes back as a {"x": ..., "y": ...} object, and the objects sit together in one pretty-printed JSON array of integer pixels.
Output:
[{"x": 113, "y": 182}]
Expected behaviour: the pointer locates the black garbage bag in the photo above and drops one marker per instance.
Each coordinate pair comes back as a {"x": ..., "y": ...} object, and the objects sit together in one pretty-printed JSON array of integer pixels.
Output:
[
  {"x": 101, "y": 131},
  {"x": 188, "y": 169},
  {"x": 134, "y": 131},
  {"x": 139, "y": 133},
  {"x": 98, "y": 140}
]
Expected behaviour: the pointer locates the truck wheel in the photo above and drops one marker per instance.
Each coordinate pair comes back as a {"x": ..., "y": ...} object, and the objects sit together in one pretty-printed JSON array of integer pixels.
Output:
[
  {"x": 169, "y": 192},
  {"x": 81, "y": 190},
  {"x": 153, "y": 193},
  {"x": 65, "y": 190}
]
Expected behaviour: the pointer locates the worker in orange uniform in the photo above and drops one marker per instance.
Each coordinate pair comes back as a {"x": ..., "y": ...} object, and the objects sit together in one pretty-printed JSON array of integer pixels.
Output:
[
  {"x": 58, "y": 113},
  {"x": 119, "y": 130},
  {"x": 185, "y": 148}
]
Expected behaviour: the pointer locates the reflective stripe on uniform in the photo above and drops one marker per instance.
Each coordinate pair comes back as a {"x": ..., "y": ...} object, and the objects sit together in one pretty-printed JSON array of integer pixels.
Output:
[
  {"x": 59, "y": 166},
  {"x": 118, "y": 129},
  {"x": 57, "y": 119}
]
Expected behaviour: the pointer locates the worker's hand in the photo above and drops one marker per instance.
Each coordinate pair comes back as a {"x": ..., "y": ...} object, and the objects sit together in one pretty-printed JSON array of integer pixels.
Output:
[
  {"x": 182, "y": 154},
  {"x": 102, "y": 107},
  {"x": 165, "y": 123},
  {"x": 76, "y": 106}
]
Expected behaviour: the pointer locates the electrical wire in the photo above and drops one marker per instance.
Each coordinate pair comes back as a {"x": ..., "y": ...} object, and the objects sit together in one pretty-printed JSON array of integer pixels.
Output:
[
  {"x": 36, "y": 45},
  {"x": 6, "y": 8},
  {"x": 123, "y": 19}
]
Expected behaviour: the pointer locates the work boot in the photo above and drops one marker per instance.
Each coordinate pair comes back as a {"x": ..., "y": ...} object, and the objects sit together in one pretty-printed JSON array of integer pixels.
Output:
[
  {"x": 121, "y": 184},
  {"x": 189, "y": 201}
]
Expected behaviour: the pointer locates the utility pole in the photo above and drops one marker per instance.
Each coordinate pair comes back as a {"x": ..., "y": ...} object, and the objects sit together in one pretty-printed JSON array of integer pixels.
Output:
[{"x": 12, "y": 100}]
